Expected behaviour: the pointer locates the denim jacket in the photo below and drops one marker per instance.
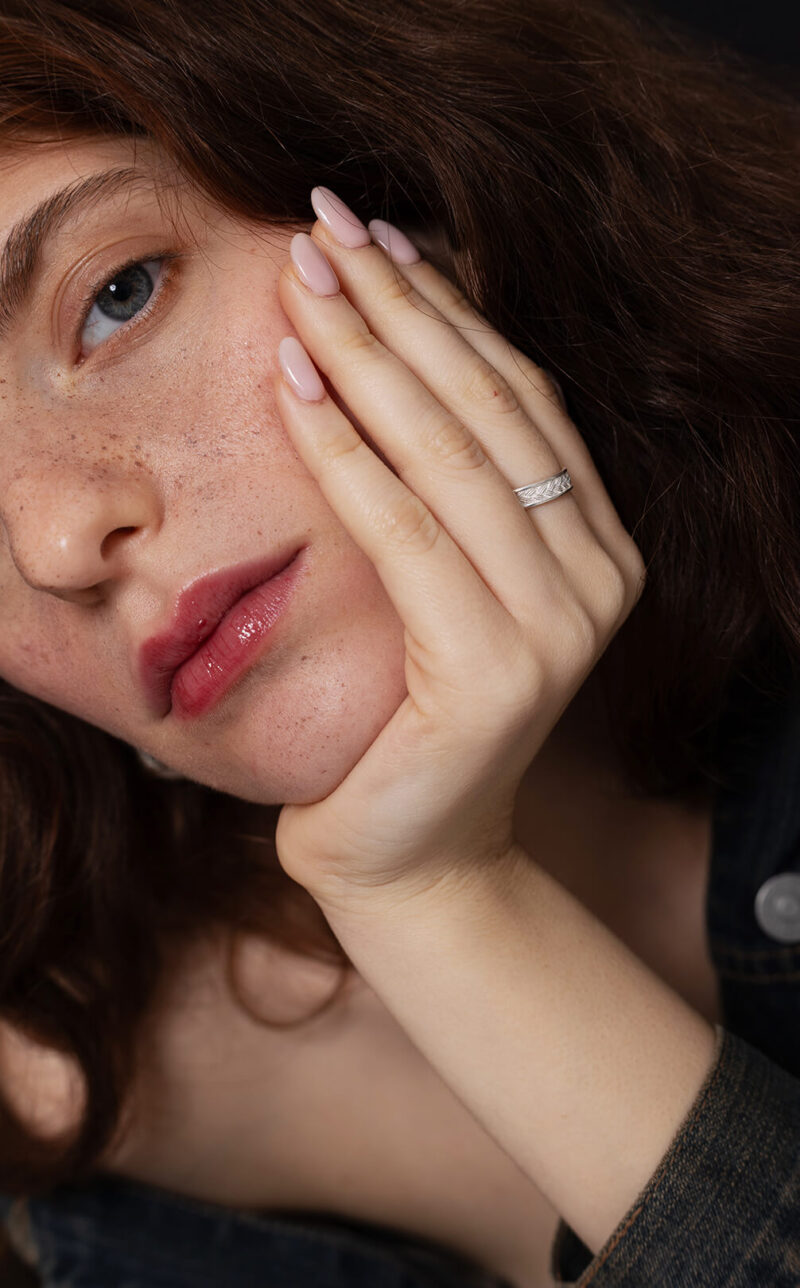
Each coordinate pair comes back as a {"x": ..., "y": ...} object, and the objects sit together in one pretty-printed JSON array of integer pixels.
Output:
[
  {"x": 722, "y": 1209},
  {"x": 723, "y": 1206}
]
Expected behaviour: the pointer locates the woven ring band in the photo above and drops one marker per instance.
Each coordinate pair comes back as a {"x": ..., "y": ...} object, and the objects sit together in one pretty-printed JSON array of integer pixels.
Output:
[{"x": 546, "y": 490}]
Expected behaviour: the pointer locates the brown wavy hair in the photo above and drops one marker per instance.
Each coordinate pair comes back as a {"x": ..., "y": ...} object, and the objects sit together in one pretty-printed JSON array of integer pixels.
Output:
[{"x": 623, "y": 209}]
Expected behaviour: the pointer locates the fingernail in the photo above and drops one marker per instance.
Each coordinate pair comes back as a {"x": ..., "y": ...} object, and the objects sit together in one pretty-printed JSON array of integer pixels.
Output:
[
  {"x": 339, "y": 219},
  {"x": 312, "y": 265},
  {"x": 299, "y": 371},
  {"x": 395, "y": 243}
]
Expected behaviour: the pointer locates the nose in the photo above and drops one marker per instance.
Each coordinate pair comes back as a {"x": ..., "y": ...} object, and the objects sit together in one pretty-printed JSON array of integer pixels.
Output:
[{"x": 70, "y": 534}]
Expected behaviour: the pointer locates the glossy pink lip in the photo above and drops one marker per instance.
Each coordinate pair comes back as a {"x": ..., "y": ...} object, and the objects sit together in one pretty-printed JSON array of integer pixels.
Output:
[{"x": 218, "y": 623}]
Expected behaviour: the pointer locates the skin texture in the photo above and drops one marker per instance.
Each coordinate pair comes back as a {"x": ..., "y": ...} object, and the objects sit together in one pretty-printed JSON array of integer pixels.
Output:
[
  {"x": 128, "y": 472},
  {"x": 160, "y": 458}
]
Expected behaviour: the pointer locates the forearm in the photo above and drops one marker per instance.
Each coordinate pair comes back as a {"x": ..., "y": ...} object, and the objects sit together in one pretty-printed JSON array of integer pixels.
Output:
[{"x": 576, "y": 1058}]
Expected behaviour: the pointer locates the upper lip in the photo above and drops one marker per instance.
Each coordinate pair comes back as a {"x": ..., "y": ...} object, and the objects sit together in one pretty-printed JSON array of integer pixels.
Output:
[{"x": 198, "y": 610}]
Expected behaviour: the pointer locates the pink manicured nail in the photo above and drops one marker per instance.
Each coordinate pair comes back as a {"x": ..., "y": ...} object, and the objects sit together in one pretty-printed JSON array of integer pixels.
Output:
[
  {"x": 339, "y": 219},
  {"x": 299, "y": 371},
  {"x": 395, "y": 243},
  {"x": 312, "y": 265}
]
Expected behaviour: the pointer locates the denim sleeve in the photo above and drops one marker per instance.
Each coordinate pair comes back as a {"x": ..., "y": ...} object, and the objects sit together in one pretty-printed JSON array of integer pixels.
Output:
[{"x": 722, "y": 1209}]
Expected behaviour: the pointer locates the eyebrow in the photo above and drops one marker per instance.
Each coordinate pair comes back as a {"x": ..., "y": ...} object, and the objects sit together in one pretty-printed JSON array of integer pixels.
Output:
[{"x": 23, "y": 252}]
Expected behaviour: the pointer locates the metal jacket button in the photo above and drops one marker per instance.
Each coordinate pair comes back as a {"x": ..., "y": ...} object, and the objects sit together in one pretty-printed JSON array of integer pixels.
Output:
[{"x": 778, "y": 908}]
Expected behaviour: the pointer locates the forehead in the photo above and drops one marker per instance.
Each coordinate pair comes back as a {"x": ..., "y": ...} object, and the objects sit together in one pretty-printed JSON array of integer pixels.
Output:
[{"x": 30, "y": 172}]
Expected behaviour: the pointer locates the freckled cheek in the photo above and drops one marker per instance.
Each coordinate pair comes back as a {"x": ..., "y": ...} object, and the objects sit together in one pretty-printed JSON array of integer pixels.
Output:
[
  {"x": 227, "y": 406},
  {"x": 52, "y": 664},
  {"x": 207, "y": 384}
]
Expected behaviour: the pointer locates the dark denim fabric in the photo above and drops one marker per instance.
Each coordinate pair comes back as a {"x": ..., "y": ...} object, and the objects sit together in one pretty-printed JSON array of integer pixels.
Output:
[
  {"x": 116, "y": 1233},
  {"x": 722, "y": 1209}
]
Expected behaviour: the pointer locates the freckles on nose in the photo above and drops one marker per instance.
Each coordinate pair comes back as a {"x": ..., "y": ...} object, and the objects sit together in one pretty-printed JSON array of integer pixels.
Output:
[{"x": 59, "y": 523}]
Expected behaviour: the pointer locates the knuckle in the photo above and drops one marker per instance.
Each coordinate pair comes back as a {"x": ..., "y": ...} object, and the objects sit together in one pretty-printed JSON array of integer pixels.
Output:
[
  {"x": 573, "y": 641},
  {"x": 454, "y": 299},
  {"x": 622, "y": 579},
  {"x": 358, "y": 342},
  {"x": 541, "y": 381},
  {"x": 549, "y": 387},
  {"x": 341, "y": 446},
  {"x": 525, "y": 365},
  {"x": 409, "y": 524},
  {"x": 526, "y": 678},
  {"x": 395, "y": 290},
  {"x": 637, "y": 572},
  {"x": 613, "y": 587},
  {"x": 581, "y": 635},
  {"x": 489, "y": 389},
  {"x": 454, "y": 446}
]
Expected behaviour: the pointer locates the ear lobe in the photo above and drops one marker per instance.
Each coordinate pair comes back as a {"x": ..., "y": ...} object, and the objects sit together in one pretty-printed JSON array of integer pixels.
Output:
[{"x": 44, "y": 1087}]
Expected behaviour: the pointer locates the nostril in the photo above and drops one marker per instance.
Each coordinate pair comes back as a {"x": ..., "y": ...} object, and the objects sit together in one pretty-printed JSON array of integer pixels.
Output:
[{"x": 113, "y": 539}]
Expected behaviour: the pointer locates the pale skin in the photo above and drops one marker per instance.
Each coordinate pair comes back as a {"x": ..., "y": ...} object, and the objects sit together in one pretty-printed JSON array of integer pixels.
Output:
[{"x": 411, "y": 816}]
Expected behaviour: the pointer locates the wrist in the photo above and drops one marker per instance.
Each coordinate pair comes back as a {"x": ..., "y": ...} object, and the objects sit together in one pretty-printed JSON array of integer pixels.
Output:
[{"x": 463, "y": 888}]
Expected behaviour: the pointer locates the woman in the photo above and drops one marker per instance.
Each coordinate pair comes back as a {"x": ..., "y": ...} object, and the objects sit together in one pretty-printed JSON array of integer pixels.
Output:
[{"x": 376, "y": 873}]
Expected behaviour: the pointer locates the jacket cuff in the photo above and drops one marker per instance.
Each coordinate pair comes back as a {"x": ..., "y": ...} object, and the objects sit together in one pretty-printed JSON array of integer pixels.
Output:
[{"x": 722, "y": 1206}]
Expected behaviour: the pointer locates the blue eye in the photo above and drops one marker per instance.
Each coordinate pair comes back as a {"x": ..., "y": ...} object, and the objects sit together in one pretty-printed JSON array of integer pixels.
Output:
[{"x": 111, "y": 305}]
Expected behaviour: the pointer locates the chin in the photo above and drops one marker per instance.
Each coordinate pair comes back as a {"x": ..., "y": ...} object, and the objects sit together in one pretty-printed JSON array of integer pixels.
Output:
[{"x": 294, "y": 743}]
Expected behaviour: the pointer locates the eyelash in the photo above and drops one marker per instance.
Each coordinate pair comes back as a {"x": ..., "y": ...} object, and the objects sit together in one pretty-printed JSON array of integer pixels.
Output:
[{"x": 168, "y": 259}]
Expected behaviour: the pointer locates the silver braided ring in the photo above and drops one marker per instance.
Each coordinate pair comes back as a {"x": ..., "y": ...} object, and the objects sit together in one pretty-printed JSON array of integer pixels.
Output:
[{"x": 546, "y": 490}]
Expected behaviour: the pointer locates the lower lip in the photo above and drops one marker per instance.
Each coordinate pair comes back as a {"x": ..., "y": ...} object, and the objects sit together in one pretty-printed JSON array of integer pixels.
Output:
[{"x": 240, "y": 638}]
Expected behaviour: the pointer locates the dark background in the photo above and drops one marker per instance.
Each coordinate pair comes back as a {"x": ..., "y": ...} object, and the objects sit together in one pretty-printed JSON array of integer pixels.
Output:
[{"x": 767, "y": 30}]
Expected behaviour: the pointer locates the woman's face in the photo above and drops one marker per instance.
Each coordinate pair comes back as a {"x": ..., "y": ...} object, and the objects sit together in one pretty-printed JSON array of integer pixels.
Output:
[{"x": 142, "y": 450}]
